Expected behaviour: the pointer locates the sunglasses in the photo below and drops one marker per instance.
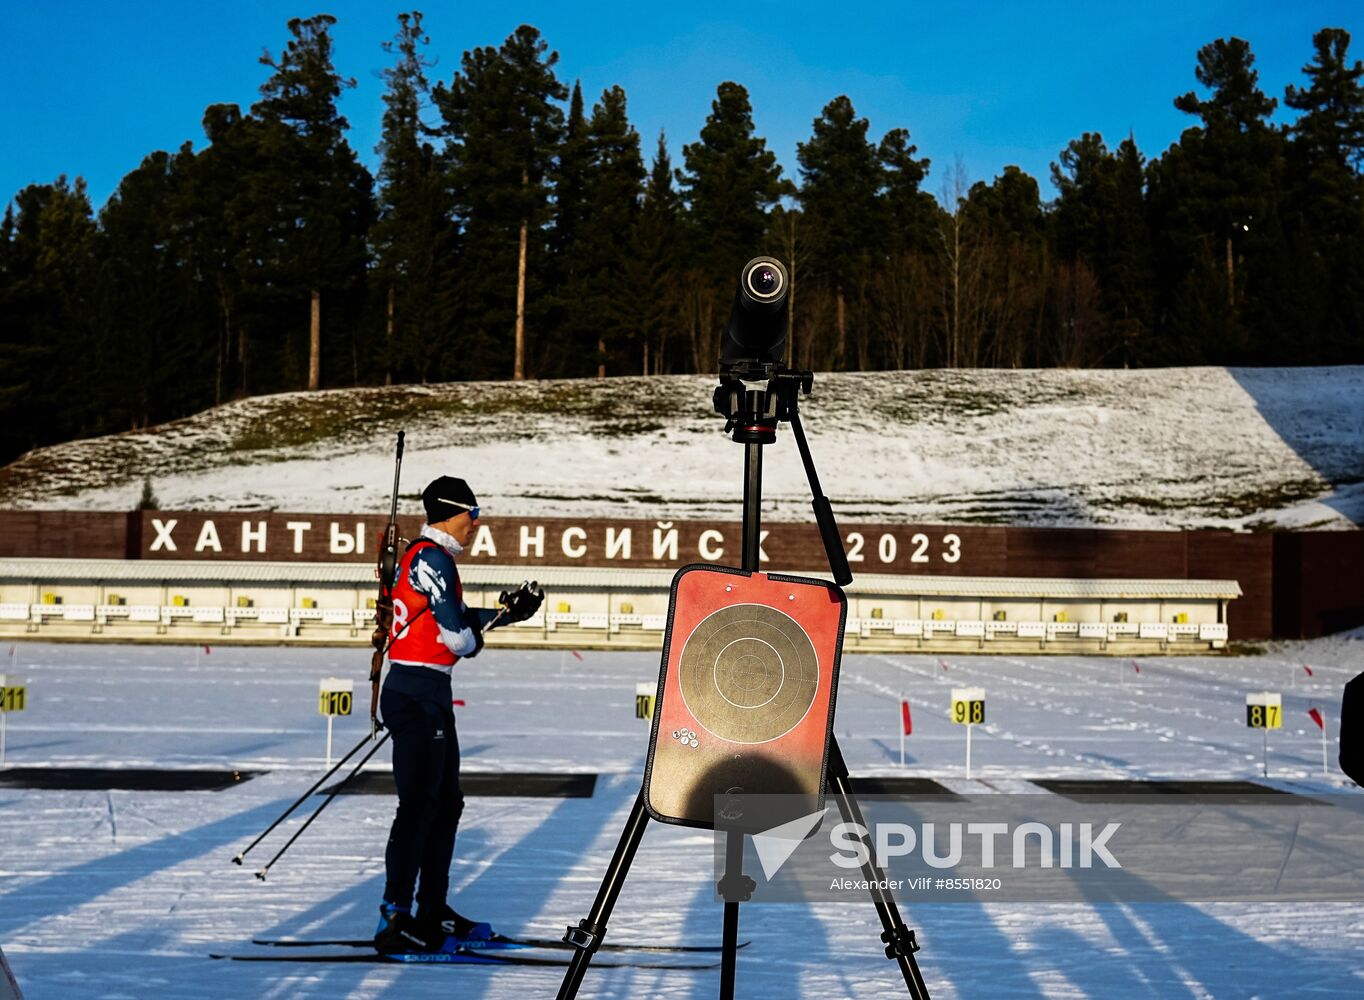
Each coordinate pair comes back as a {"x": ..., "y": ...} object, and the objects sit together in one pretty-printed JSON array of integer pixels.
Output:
[{"x": 473, "y": 511}]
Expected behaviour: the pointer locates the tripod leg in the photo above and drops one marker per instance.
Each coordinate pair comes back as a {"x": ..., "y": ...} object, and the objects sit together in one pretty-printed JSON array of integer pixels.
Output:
[
  {"x": 899, "y": 939},
  {"x": 587, "y": 936},
  {"x": 734, "y": 888}
]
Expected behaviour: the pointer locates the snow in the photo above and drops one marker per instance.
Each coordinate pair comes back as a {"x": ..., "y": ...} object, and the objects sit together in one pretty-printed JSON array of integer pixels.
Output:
[
  {"x": 122, "y": 894},
  {"x": 1156, "y": 448}
]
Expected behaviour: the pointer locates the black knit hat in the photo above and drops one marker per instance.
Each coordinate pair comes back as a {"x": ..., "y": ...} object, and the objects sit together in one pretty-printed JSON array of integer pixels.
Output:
[{"x": 447, "y": 497}]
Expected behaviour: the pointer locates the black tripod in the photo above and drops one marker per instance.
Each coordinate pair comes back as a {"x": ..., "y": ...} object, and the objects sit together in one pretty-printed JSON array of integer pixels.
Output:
[{"x": 753, "y": 415}]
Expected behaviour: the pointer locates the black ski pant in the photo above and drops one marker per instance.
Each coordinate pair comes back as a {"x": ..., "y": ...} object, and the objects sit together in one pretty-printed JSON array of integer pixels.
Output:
[{"x": 417, "y": 712}]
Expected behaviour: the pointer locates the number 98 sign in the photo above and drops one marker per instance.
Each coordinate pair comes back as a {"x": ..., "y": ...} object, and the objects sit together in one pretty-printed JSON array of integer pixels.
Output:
[{"x": 968, "y": 706}]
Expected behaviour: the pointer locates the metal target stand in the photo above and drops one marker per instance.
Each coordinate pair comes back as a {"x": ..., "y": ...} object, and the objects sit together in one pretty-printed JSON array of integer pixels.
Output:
[{"x": 752, "y": 415}]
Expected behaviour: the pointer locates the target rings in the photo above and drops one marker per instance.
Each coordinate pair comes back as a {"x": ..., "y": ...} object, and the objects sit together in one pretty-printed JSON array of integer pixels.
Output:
[{"x": 748, "y": 673}]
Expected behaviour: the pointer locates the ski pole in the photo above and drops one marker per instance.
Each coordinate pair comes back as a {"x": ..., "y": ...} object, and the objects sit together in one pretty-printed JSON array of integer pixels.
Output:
[
  {"x": 283, "y": 816},
  {"x": 325, "y": 802}
]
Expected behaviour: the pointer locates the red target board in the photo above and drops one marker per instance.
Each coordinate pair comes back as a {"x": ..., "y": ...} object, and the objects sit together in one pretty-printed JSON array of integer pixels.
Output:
[{"x": 745, "y": 693}]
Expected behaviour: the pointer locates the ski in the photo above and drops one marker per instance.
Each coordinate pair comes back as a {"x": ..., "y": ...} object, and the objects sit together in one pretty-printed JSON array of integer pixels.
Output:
[
  {"x": 481, "y": 956},
  {"x": 498, "y": 942}
]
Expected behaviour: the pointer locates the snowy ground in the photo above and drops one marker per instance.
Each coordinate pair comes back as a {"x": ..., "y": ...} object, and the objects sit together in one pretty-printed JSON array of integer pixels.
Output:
[
  {"x": 1159, "y": 448},
  {"x": 121, "y": 894}
]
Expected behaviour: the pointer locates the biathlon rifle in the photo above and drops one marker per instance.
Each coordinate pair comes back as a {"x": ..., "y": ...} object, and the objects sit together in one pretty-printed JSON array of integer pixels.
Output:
[{"x": 387, "y": 572}]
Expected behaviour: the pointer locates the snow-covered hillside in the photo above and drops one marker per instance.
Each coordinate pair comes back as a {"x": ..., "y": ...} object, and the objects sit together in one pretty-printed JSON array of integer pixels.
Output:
[{"x": 1161, "y": 448}]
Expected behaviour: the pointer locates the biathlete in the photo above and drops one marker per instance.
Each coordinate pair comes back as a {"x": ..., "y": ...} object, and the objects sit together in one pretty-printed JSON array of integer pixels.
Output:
[{"x": 431, "y": 630}]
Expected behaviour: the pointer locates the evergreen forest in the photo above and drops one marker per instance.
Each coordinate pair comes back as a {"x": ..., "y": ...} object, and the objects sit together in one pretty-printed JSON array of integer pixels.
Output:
[{"x": 517, "y": 228}]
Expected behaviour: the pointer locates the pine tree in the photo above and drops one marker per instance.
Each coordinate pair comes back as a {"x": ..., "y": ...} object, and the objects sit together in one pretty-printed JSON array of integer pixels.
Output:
[
  {"x": 571, "y": 349},
  {"x": 158, "y": 343},
  {"x": 842, "y": 178},
  {"x": 314, "y": 200},
  {"x": 1216, "y": 209},
  {"x": 612, "y": 199},
  {"x": 1328, "y": 137},
  {"x": 911, "y": 219},
  {"x": 47, "y": 320},
  {"x": 503, "y": 130},
  {"x": 1099, "y": 225},
  {"x": 1324, "y": 292},
  {"x": 730, "y": 181},
  {"x": 910, "y": 214},
  {"x": 997, "y": 321},
  {"x": 649, "y": 272},
  {"x": 218, "y": 212},
  {"x": 412, "y": 237}
]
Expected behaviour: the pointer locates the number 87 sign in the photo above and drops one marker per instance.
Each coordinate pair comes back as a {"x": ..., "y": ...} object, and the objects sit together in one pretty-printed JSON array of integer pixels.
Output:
[{"x": 1264, "y": 710}]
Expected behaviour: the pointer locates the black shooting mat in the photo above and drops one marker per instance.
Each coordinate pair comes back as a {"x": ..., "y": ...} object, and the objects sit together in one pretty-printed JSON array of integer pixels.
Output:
[
  {"x": 138, "y": 779},
  {"x": 748, "y": 673},
  {"x": 1121, "y": 790},
  {"x": 483, "y": 784},
  {"x": 914, "y": 788}
]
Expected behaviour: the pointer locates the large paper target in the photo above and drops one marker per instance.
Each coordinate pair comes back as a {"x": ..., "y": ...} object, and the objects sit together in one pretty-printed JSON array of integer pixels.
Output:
[
  {"x": 745, "y": 692},
  {"x": 749, "y": 674}
]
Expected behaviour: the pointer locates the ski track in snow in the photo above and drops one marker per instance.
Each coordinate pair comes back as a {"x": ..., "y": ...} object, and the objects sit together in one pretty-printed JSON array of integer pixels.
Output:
[{"x": 122, "y": 894}]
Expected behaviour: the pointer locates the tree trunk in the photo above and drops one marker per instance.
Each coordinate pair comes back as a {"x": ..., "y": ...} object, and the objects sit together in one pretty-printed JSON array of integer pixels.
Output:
[
  {"x": 388, "y": 354},
  {"x": 519, "y": 367},
  {"x": 225, "y": 345},
  {"x": 791, "y": 262},
  {"x": 315, "y": 344},
  {"x": 601, "y": 357},
  {"x": 842, "y": 329},
  {"x": 1231, "y": 278},
  {"x": 243, "y": 351}
]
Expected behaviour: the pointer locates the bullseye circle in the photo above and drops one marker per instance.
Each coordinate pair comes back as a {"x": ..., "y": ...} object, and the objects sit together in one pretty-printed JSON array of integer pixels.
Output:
[{"x": 748, "y": 673}]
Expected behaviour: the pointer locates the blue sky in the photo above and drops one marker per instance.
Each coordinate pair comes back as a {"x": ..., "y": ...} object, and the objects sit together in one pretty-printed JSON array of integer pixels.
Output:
[{"x": 88, "y": 87}]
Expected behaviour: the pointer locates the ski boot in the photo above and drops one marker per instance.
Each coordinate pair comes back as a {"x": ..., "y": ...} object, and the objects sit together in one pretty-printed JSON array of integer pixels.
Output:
[
  {"x": 457, "y": 930},
  {"x": 399, "y": 932}
]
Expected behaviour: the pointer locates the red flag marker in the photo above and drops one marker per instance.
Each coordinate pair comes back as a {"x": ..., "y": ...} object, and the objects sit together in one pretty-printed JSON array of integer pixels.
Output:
[
  {"x": 1135, "y": 665},
  {"x": 905, "y": 719},
  {"x": 207, "y": 650},
  {"x": 1316, "y": 717},
  {"x": 942, "y": 663},
  {"x": 1309, "y": 671},
  {"x": 459, "y": 702},
  {"x": 576, "y": 655}
]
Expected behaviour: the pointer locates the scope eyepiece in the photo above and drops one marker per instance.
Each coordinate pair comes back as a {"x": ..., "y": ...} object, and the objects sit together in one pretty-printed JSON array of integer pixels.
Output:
[
  {"x": 756, "y": 331},
  {"x": 764, "y": 279}
]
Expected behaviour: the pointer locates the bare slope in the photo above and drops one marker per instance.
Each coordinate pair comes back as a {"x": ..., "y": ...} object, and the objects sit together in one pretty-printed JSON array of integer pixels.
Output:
[{"x": 1201, "y": 447}]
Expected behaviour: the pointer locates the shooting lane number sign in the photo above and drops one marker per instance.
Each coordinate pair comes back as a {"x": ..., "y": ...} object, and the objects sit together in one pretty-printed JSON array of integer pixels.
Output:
[
  {"x": 13, "y": 698},
  {"x": 968, "y": 709},
  {"x": 336, "y": 696},
  {"x": 645, "y": 693},
  {"x": 968, "y": 706},
  {"x": 1264, "y": 711}
]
